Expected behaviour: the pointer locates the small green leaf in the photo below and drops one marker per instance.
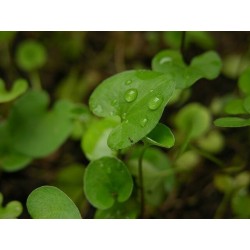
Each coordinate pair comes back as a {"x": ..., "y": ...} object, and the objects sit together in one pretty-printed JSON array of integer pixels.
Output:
[
  {"x": 12, "y": 210},
  {"x": 31, "y": 55},
  {"x": 138, "y": 97},
  {"x": 224, "y": 183},
  {"x": 207, "y": 65},
  {"x": 246, "y": 103},
  {"x": 232, "y": 122},
  {"x": 19, "y": 87},
  {"x": 94, "y": 142},
  {"x": 193, "y": 120},
  {"x": 106, "y": 181},
  {"x": 48, "y": 202},
  {"x": 34, "y": 131},
  {"x": 244, "y": 82},
  {"x": 240, "y": 203},
  {"x": 235, "y": 107},
  {"x": 161, "y": 136}
]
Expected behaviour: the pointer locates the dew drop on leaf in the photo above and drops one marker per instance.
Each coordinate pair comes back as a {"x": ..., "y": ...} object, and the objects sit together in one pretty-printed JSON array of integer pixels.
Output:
[
  {"x": 143, "y": 122},
  {"x": 124, "y": 116},
  {"x": 151, "y": 90},
  {"x": 155, "y": 102},
  {"x": 114, "y": 102},
  {"x": 98, "y": 109},
  {"x": 165, "y": 59},
  {"x": 131, "y": 95},
  {"x": 128, "y": 82}
]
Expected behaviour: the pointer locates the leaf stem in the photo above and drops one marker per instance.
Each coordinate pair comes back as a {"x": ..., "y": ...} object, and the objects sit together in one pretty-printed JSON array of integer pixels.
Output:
[
  {"x": 140, "y": 176},
  {"x": 35, "y": 80}
]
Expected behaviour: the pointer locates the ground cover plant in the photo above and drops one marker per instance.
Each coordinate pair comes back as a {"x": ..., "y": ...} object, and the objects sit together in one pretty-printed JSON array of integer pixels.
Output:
[{"x": 124, "y": 125}]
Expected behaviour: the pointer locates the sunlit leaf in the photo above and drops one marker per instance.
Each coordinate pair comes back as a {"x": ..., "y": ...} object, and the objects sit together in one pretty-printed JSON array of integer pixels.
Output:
[
  {"x": 48, "y": 202},
  {"x": 106, "y": 181},
  {"x": 235, "y": 107},
  {"x": 138, "y": 97}
]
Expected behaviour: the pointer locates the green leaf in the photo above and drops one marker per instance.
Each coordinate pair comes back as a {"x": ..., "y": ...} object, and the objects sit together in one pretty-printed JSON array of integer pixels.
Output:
[
  {"x": 193, "y": 120},
  {"x": 224, "y": 183},
  {"x": 31, "y": 55},
  {"x": 94, "y": 141},
  {"x": 34, "y": 131},
  {"x": 235, "y": 107},
  {"x": 12, "y": 210},
  {"x": 244, "y": 82},
  {"x": 161, "y": 136},
  {"x": 240, "y": 203},
  {"x": 207, "y": 65},
  {"x": 19, "y": 87},
  {"x": 158, "y": 175},
  {"x": 126, "y": 210},
  {"x": 48, "y": 202},
  {"x": 232, "y": 122},
  {"x": 246, "y": 103},
  {"x": 138, "y": 97},
  {"x": 106, "y": 181}
]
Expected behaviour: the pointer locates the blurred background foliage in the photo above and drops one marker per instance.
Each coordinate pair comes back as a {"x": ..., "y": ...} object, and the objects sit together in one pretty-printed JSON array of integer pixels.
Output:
[{"x": 69, "y": 65}]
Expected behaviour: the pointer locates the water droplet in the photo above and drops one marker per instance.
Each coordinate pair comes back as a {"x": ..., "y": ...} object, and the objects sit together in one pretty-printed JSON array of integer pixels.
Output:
[
  {"x": 143, "y": 122},
  {"x": 131, "y": 95},
  {"x": 114, "y": 102},
  {"x": 151, "y": 90},
  {"x": 155, "y": 102},
  {"x": 128, "y": 82},
  {"x": 165, "y": 59},
  {"x": 124, "y": 116},
  {"x": 98, "y": 109}
]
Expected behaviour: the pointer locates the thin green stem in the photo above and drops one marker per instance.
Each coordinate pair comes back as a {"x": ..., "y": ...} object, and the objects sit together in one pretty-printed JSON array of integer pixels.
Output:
[
  {"x": 35, "y": 80},
  {"x": 222, "y": 206},
  {"x": 140, "y": 176}
]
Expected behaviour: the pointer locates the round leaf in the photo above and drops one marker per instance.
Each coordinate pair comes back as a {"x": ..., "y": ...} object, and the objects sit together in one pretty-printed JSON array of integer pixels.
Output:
[
  {"x": 19, "y": 87},
  {"x": 106, "y": 181},
  {"x": 161, "y": 136},
  {"x": 48, "y": 202},
  {"x": 244, "y": 82},
  {"x": 94, "y": 141},
  {"x": 31, "y": 55},
  {"x": 232, "y": 122},
  {"x": 193, "y": 120},
  {"x": 138, "y": 97}
]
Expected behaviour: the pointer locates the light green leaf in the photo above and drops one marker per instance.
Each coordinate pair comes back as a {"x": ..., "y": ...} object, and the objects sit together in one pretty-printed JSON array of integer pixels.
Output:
[
  {"x": 94, "y": 141},
  {"x": 246, "y": 103},
  {"x": 232, "y": 122},
  {"x": 106, "y": 181},
  {"x": 224, "y": 183},
  {"x": 161, "y": 136},
  {"x": 138, "y": 97},
  {"x": 240, "y": 203},
  {"x": 19, "y": 87},
  {"x": 31, "y": 55},
  {"x": 48, "y": 202},
  {"x": 244, "y": 82},
  {"x": 207, "y": 65},
  {"x": 235, "y": 107},
  {"x": 34, "y": 131},
  {"x": 12, "y": 210},
  {"x": 193, "y": 120}
]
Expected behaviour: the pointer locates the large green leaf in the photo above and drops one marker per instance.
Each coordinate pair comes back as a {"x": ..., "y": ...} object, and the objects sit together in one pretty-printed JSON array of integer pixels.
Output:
[
  {"x": 207, "y": 65},
  {"x": 244, "y": 82},
  {"x": 235, "y": 107},
  {"x": 19, "y": 87},
  {"x": 33, "y": 130},
  {"x": 232, "y": 122},
  {"x": 106, "y": 181},
  {"x": 12, "y": 210},
  {"x": 138, "y": 97},
  {"x": 48, "y": 202}
]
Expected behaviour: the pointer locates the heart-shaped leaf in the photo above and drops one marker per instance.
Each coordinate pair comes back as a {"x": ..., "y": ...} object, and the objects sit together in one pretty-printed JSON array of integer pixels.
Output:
[
  {"x": 94, "y": 141},
  {"x": 34, "y": 131},
  {"x": 19, "y": 87},
  {"x": 106, "y": 181},
  {"x": 12, "y": 210},
  {"x": 161, "y": 136},
  {"x": 138, "y": 97},
  {"x": 31, "y": 55},
  {"x": 232, "y": 122},
  {"x": 244, "y": 82},
  {"x": 193, "y": 120},
  {"x": 48, "y": 202},
  {"x": 207, "y": 65}
]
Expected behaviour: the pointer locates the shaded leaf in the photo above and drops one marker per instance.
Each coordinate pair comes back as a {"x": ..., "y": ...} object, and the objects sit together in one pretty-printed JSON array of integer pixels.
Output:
[
  {"x": 246, "y": 103},
  {"x": 106, "y": 181},
  {"x": 244, "y": 82},
  {"x": 232, "y": 122},
  {"x": 48, "y": 202}
]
